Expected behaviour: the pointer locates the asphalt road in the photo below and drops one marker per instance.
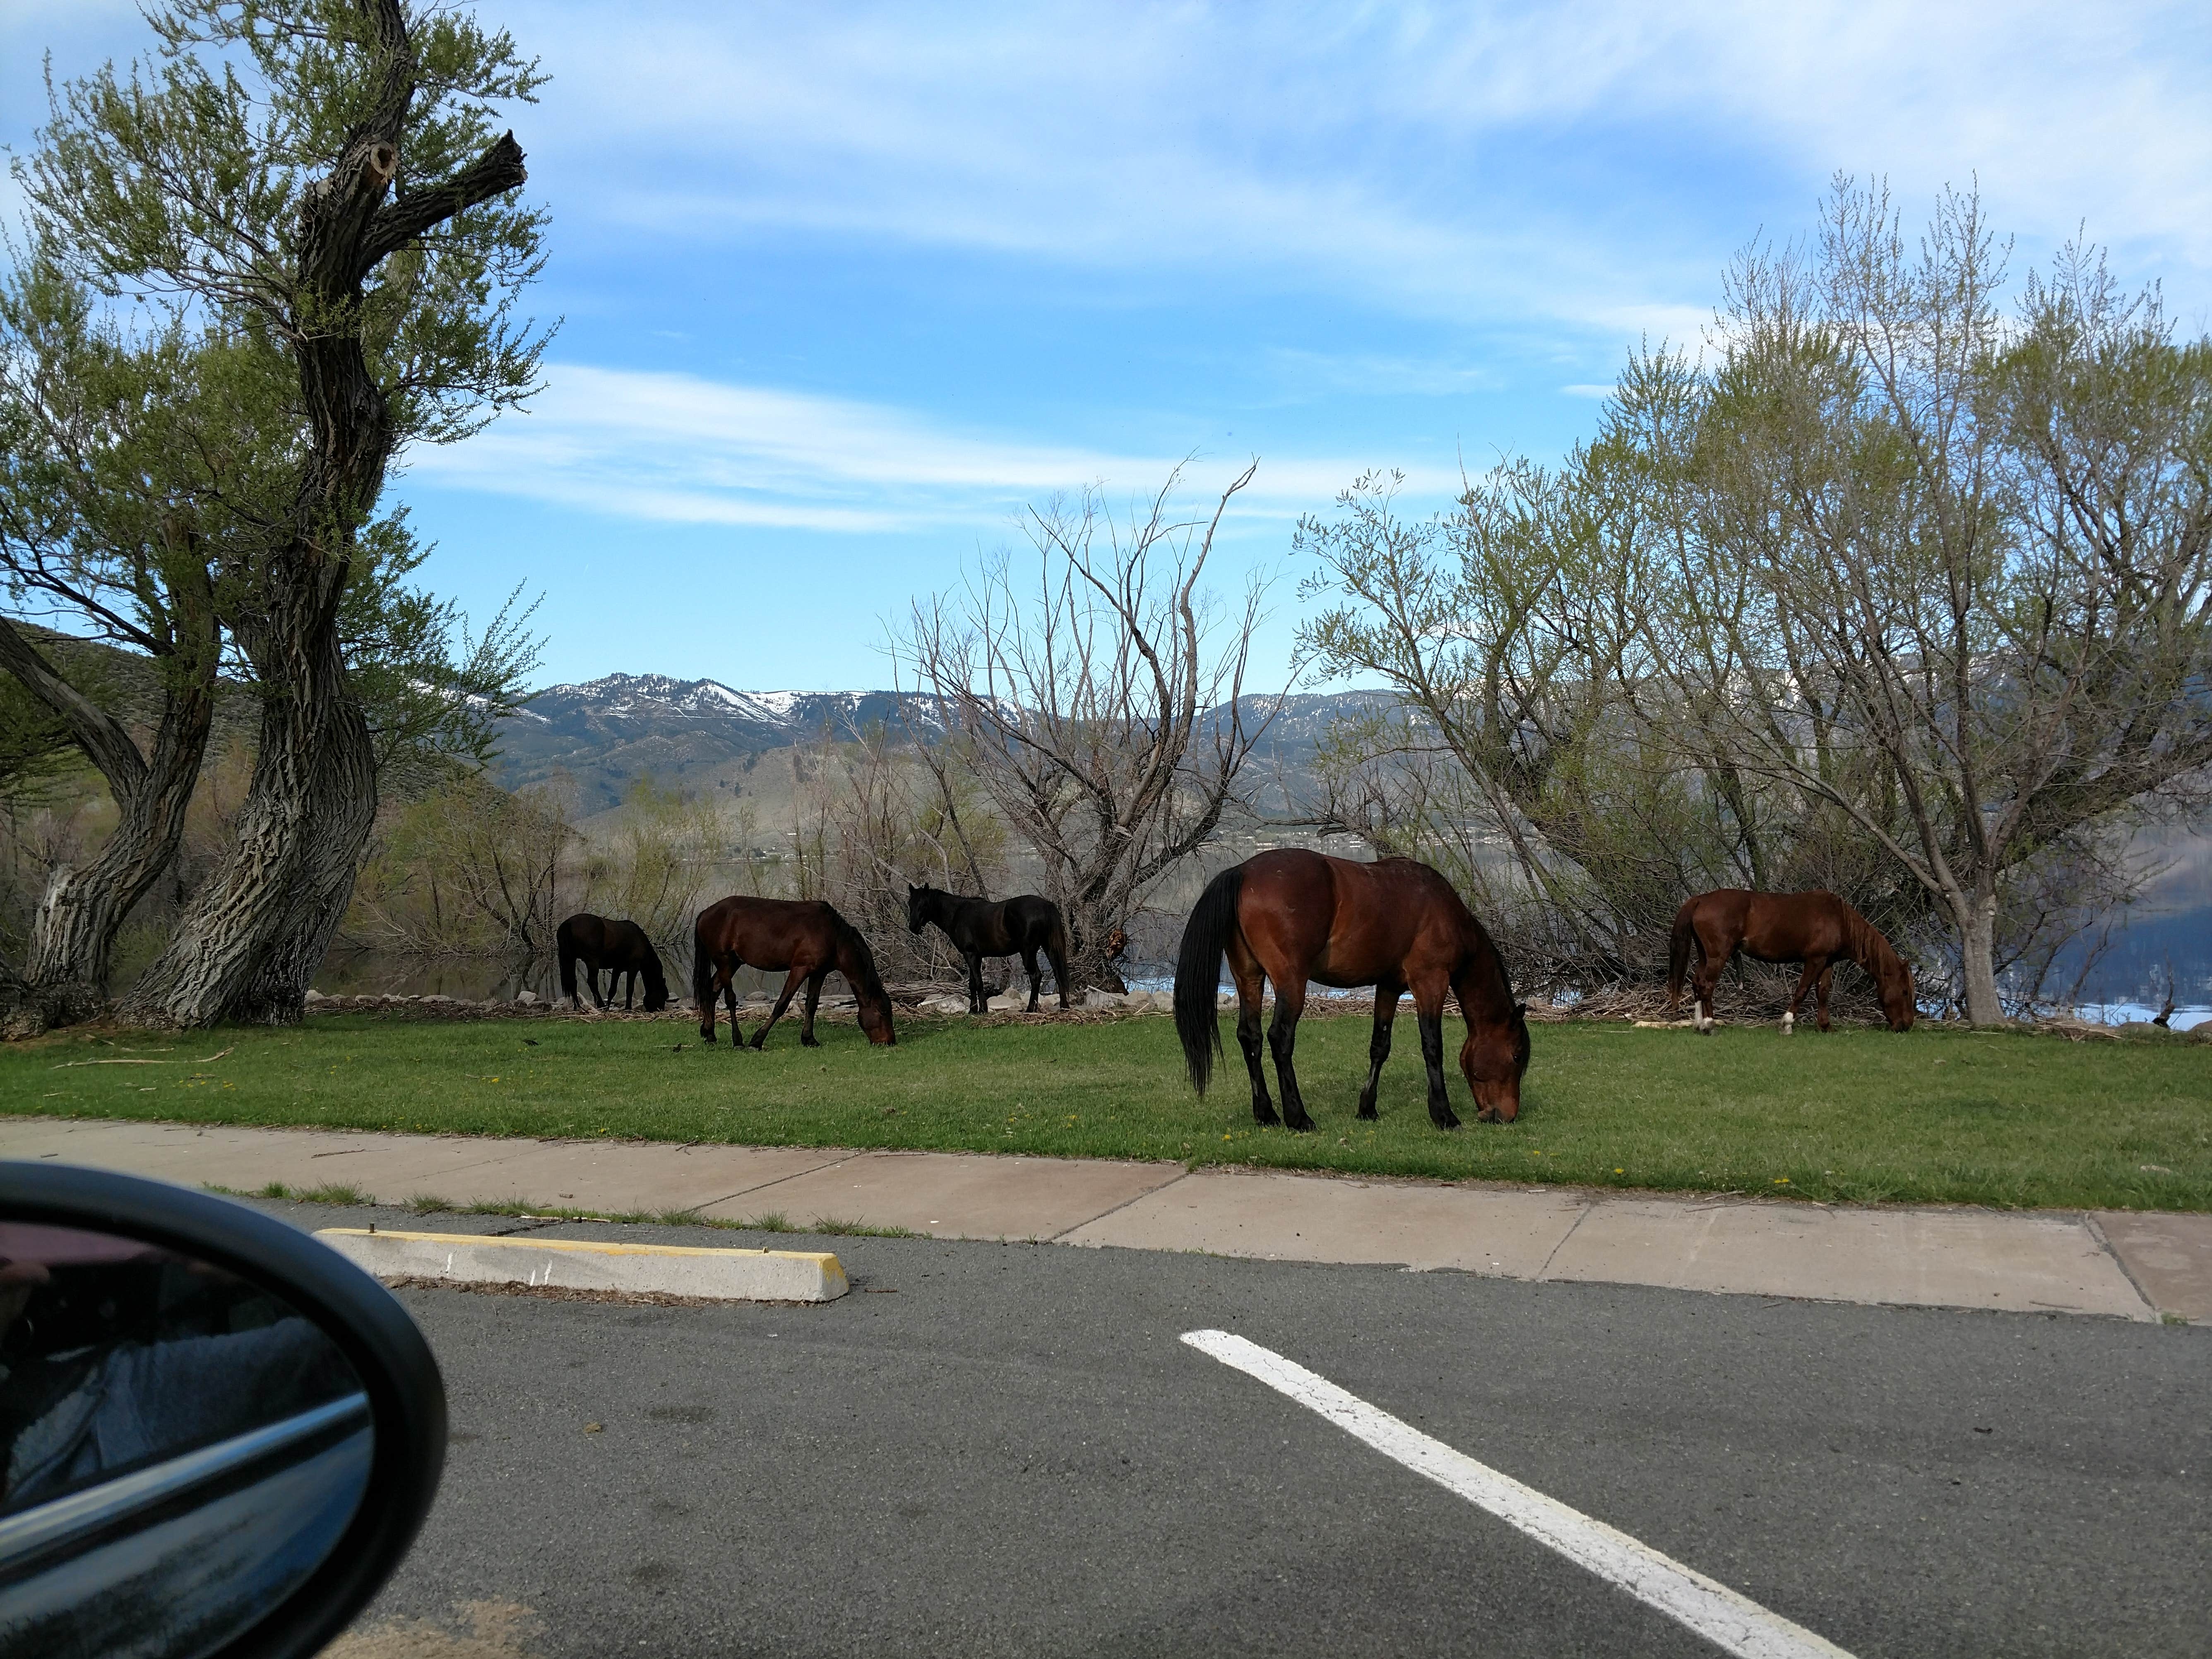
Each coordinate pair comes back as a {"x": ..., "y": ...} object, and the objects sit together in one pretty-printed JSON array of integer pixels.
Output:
[{"x": 1006, "y": 1450}]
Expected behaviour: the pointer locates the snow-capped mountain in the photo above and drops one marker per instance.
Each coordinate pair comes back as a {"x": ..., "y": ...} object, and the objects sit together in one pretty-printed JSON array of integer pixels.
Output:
[
  {"x": 702, "y": 736},
  {"x": 660, "y": 697},
  {"x": 603, "y": 736}
]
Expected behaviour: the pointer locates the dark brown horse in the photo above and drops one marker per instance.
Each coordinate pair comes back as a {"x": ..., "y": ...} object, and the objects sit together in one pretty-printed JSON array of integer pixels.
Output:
[
  {"x": 1816, "y": 928},
  {"x": 980, "y": 928},
  {"x": 616, "y": 948},
  {"x": 806, "y": 937},
  {"x": 1291, "y": 916}
]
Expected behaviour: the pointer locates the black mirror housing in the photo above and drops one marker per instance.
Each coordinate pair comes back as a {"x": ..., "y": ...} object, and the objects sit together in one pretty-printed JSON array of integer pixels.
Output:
[{"x": 394, "y": 1394}]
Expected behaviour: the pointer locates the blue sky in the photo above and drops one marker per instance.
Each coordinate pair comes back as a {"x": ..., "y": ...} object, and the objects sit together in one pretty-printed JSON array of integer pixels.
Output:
[{"x": 846, "y": 285}]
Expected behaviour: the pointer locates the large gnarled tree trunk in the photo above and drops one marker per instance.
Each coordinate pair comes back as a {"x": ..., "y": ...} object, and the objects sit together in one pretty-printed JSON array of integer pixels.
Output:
[{"x": 253, "y": 936}]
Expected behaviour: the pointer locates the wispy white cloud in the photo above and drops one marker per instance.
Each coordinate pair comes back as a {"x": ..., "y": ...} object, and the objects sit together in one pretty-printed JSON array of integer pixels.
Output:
[
  {"x": 1416, "y": 155},
  {"x": 677, "y": 448}
]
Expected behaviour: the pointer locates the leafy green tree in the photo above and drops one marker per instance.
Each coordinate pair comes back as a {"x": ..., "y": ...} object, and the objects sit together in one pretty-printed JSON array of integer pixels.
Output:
[
  {"x": 1895, "y": 596},
  {"x": 324, "y": 181},
  {"x": 1977, "y": 555},
  {"x": 119, "y": 459}
]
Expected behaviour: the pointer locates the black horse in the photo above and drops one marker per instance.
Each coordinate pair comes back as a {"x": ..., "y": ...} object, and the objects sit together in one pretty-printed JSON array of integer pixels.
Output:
[
  {"x": 980, "y": 929},
  {"x": 617, "y": 947}
]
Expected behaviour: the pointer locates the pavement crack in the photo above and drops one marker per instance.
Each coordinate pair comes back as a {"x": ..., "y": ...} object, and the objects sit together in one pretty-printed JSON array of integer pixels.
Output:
[
  {"x": 1583, "y": 1215},
  {"x": 2089, "y": 1221},
  {"x": 1117, "y": 1208},
  {"x": 763, "y": 1186}
]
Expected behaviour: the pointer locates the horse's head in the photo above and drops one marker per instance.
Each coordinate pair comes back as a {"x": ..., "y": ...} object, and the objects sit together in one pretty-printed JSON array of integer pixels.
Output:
[
  {"x": 917, "y": 909},
  {"x": 1898, "y": 1001},
  {"x": 858, "y": 964},
  {"x": 1493, "y": 1059},
  {"x": 656, "y": 982},
  {"x": 1117, "y": 942}
]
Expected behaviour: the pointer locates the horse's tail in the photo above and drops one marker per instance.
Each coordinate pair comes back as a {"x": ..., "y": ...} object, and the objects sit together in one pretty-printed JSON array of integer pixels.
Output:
[
  {"x": 1678, "y": 955},
  {"x": 1197, "y": 973},
  {"x": 703, "y": 975},
  {"x": 1055, "y": 948},
  {"x": 565, "y": 943}
]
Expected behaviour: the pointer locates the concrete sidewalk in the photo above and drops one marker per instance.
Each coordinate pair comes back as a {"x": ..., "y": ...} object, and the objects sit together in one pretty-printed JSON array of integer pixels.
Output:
[{"x": 2122, "y": 1264}]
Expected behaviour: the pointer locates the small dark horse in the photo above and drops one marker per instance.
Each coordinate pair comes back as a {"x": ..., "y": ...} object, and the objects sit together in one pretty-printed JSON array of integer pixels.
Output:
[
  {"x": 980, "y": 929},
  {"x": 617, "y": 948},
  {"x": 1816, "y": 928},
  {"x": 1292, "y": 917},
  {"x": 806, "y": 937}
]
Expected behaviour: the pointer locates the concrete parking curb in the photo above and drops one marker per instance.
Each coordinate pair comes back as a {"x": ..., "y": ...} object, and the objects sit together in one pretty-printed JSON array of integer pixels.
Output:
[{"x": 588, "y": 1265}]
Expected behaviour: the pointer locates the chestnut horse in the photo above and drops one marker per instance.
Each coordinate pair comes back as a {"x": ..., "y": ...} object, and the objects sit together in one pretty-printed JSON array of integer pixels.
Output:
[
  {"x": 1290, "y": 916},
  {"x": 980, "y": 927},
  {"x": 616, "y": 948},
  {"x": 804, "y": 936},
  {"x": 1816, "y": 928}
]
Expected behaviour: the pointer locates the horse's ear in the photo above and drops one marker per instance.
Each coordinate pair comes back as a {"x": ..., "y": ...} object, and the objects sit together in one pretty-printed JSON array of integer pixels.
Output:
[{"x": 1522, "y": 1009}]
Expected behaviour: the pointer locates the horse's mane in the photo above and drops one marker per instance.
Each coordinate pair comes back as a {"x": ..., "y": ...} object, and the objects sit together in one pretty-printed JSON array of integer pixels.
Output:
[
  {"x": 852, "y": 947},
  {"x": 1873, "y": 949},
  {"x": 1480, "y": 952}
]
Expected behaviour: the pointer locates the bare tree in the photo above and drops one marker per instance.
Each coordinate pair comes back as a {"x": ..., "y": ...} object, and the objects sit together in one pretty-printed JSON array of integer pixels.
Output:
[{"x": 1096, "y": 698}]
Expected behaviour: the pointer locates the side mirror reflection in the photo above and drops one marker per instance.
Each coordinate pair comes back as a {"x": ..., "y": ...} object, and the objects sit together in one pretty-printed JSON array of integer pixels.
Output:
[{"x": 216, "y": 1436}]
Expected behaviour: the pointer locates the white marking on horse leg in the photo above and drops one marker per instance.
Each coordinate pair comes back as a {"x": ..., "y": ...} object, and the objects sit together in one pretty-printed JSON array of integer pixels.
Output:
[
  {"x": 1789, "y": 1021},
  {"x": 1732, "y": 1622}
]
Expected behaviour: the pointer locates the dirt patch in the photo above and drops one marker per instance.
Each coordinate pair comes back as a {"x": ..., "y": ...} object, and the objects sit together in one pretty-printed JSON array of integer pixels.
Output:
[{"x": 478, "y": 1630}]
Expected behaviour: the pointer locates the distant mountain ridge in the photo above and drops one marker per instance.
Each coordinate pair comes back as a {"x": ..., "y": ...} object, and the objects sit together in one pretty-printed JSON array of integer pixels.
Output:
[{"x": 603, "y": 736}]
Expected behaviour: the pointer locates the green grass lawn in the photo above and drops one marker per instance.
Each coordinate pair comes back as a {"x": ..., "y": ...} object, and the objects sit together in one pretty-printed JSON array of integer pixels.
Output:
[{"x": 1936, "y": 1114}]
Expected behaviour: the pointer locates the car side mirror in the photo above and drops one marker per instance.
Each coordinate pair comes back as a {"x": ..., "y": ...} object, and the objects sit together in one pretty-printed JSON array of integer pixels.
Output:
[{"x": 218, "y": 1437}]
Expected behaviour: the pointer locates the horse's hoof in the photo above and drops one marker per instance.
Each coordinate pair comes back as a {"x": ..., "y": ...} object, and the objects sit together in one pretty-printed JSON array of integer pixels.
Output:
[
  {"x": 1299, "y": 1126},
  {"x": 1369, "y": 1115},
  {"x": 1449, "y": 1119},
  {"x": 810, "y": 1042},
  {"x": 1266, "y": 1120}
]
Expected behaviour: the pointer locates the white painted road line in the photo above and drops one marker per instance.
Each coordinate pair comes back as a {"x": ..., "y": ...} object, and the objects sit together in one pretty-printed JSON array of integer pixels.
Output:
[{"x": 1731, "y": 1622}]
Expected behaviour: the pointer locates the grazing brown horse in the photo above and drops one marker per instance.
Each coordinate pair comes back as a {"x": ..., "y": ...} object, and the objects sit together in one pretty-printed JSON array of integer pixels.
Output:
[
  {"x": 617, "y": 948},
  {"x": 1816, "y": 928},
  {"x": 1291, "y": 916},
  {"x": 806, "y": 937}
]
